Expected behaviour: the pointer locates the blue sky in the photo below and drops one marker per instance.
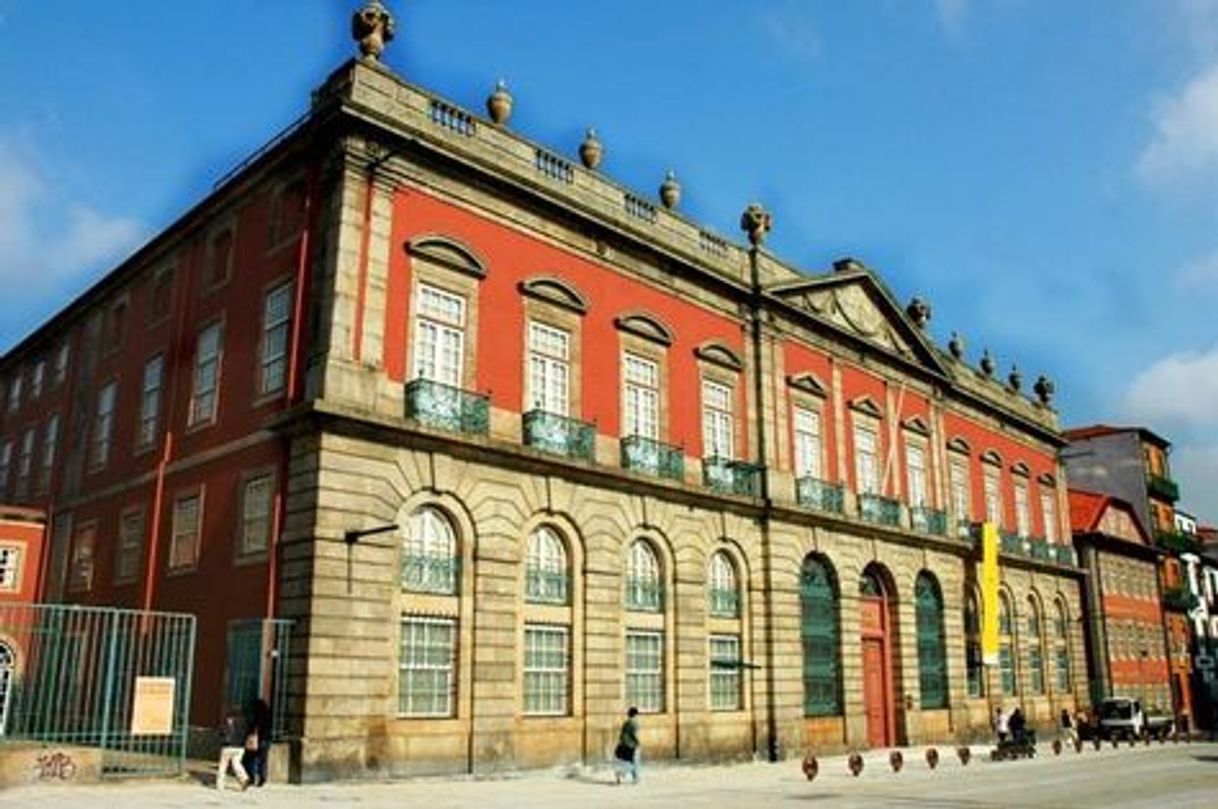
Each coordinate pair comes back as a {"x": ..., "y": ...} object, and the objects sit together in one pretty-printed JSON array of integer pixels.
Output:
[{"x": 1043, "y": 172}]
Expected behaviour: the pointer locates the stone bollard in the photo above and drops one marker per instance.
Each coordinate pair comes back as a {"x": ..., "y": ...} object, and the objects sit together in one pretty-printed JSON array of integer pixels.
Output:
[
  {"x": 964, "y": 754},
  {"x": 896, "y": 760},
  {"x": 810, "y": 767},
  {"x": 1057, "y": 747},
  {"x": 932, "y": 758},
  {"x": 855, "y": 763}
]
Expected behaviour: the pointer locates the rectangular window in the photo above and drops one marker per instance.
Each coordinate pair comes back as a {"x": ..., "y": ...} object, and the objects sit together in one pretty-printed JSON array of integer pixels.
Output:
[
  {"x": 50, "y": 448},
  {"x": 60, "y": 371},
  {"x": 976, "y": 669},
  {"x": 103, "y": 426},
  {"x": 1049, "y": 514},
  {"x": 645, "y": 671},
  {"x": 642, "y": 396},
  {"x": 545, "y": 670},
  {"x": 130, "y": 546},
  {"x": 40, "y": 370},
  {"x": 276, "y": 322},
  {"x": 439, "y": 349},
  {"x": 14, "y": 391},
  {"x": 1023, "y": 516},
  {"x": 915, "y": 462},
  {"x": 80, "y": 574},
  {"x": 10, "y": 559},
  {"x": 1037, "y": 667},
  {"x": 6, "y": 462},
  {"x": 1006, "y": 663},
  {"x": 962, "y": 507},
  {"x": 717, "y": 421},
  {"x": 1063, "y": 669},
  {"x": 866, "y": 465},
  {"x": 256, "y": 515},
  {"x": 160, "y": 298},
  {"x": 219, "y": 258},
  {"x": 150, "y": 401},
  {"x": 184, "y": 543},
  {"x": 25, "y": 462},
  {"x": 993, "y": 498},
  {"x": 725, "y": 673},
  {"x": 549, "y": 352},
  {"x": 425, "y": 673},
  {"x": 807, "y": 443},
  {"x": 208, "y": 352}
]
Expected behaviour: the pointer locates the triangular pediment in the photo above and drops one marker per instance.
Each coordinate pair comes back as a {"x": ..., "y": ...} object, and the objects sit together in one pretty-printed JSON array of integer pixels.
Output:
[{"x": 854, "y": 301}]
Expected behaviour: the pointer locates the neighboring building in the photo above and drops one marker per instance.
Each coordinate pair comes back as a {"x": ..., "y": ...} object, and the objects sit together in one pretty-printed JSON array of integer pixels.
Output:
[
  {"x": 1201, "y": 577},
  {"x": 516, "y": 447},
  {"x": 22, "y": 531},
  {"x": 1126, "y": 650},
  {"x": 1130, "y": 463}
]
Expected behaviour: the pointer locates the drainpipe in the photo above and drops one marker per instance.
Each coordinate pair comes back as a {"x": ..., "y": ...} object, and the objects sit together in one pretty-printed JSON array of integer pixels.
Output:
[{"x": 756, "y": 222}]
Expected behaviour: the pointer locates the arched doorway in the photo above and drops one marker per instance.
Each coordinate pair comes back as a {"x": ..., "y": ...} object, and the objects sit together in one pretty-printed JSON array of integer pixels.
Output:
[
  {"x": 8, "y": 670},
  {"x": 876, "y": 629}
]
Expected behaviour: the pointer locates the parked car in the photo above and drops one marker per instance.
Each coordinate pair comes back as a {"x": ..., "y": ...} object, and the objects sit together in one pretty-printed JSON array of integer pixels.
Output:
[{"x": 1123, "y": 717}]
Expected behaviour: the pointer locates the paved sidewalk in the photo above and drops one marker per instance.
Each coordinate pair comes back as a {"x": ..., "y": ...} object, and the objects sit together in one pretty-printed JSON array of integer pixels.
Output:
[{"x": 1181, "y": 776}]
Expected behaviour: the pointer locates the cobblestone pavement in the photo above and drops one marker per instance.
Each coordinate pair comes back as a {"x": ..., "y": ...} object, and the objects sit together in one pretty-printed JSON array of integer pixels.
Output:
[{"x": 1180, "y": 776}]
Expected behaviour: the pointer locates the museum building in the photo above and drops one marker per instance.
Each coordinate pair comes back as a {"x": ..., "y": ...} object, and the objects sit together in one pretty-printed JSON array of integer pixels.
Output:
[{"x": 514, "y": 448}]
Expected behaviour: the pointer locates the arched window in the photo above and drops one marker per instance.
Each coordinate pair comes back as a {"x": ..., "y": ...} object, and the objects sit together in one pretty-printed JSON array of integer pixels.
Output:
[
  {"x": 8, "y": 665},
  {"x": 972, "y": 645},
  {"x": 429, "y": 559},
  {"x": 644, "y": 587},
  {"x": 1061, "y": 645},
  {"x": 724, "y": 593},
  {"x": 546, "y": 577},
  {"x": 820, "y": 634},
  {"x": 1006, "y": 652},
  {"x": 1036, "y": 658},
  {"x": 932, "y": 655},
  {"x": 869, "y": 585}
]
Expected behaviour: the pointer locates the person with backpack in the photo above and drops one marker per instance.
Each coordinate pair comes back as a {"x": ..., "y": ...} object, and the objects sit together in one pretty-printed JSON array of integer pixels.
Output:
[{"x": 628, "y": 748}]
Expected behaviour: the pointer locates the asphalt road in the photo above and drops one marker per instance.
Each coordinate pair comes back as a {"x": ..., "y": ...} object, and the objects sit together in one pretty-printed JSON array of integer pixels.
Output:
[{"x": 1179, "y": 776}]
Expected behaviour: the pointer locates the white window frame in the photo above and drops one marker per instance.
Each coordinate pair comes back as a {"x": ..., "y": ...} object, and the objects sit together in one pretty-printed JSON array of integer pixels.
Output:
[
  {"x": 179, "y": 534},
  {"x": 10, "y": 567},
  {"x": 84, "y": 554},
  {"x": 645, "y": 671},
  {"x": 276, "y": 324},
  {"x": 443, "y": 671},
  {"x": 866, "y": 457},
  {"x": 1023, "y": 512},
  {"x": 547, "y": 555},
  {"x": 547, "y": 682},
  {"x": 25, "y": 462},
  {"x": 256, "y": 514},
  {"x": 205, "y": 390},
  {"x": 718, "y": 420},
  {"x": 809, "y": 444},
  {"x": 722, "y": 680},
  {"x": 14, "y": 390},
  {"x": 37, "y": 377},
  {"x": 960, "y": 481},
  {"x": 992, "y": 486},
  {"x": 103, "y": 425},
  {"x": 60, "y": 369},
  {"x": 439, "y": 336},
  {"x": 151, "y": 387},
  {"x": 549, "y": 369},
  {"x": 50, "y": 448},
  {"x": 1048, "y": 515},
  {"x": 430, "y": 535},
  {"x": 131, "y": 527},
  {"x": 640, "y": 396},
  {"x": 918, "y": 480}
]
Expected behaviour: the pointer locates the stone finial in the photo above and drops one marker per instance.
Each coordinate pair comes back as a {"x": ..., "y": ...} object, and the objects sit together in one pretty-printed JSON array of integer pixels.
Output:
[
  {"x": 756, "y": 222},
  {"x": 1015, "y": 379},
  {"x": 670, "y": 191},
  {"x": 987, "y": 363},
  {"x": 956, "y": 345},
  {"x": 1044, "y": 389},
  {"x": 918, "y": 311},
  {"x": 591, "y": 151},
  {"x": 373, "y": 28},
  {"x": 499, "y": 103}
]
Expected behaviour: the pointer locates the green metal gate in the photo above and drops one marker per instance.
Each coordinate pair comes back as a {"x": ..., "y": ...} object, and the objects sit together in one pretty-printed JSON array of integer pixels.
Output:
[
  {"x": 114, "y": 680},
  {"x": 257, "y": 661}
]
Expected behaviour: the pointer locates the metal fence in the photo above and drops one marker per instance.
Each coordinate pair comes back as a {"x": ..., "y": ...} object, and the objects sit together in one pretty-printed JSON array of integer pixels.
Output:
[
  {"x": 114, "y": 680},
  {"x": 257, "y": 667}
]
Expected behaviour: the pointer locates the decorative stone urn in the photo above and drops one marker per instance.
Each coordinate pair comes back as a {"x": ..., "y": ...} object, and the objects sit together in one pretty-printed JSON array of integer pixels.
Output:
[
  {"x": 1044, "y": 389},
  {"x": 1015, "y": 379},
  {"x": 987, "y": 363},
  {"x": 373, "y": 28},
  {"x": 591, "y": 151},
  {"x": 499, "y": 103},
  {"x": 670, "y": 191},
  {"x": 918, "y": 311},
  {"x": 756, "y": 222},
  {"x": 956, "y": 345}
]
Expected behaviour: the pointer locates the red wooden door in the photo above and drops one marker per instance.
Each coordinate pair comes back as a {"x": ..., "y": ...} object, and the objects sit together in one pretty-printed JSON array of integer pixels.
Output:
[{"x": 875, "y": 696}]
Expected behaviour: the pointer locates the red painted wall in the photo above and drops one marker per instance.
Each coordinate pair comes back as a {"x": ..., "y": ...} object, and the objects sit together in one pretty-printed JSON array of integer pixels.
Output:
[
  {"x": 29, "y": 537},
  {"x": 799, "y": 359}
]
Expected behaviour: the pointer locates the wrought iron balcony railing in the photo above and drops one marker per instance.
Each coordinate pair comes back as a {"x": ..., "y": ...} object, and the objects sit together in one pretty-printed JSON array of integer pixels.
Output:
[
  {"x": 560, "y": 435},
  {"x": 644, "y": 595},
  {"x": 1163, "y": 487},
  {"x": 820, "y": 494},
  {"x": 928, "y": 520},
  {"x": 653, "y": 457},
  {"x": 546, "y": 586},
  {"x": 438, "y": 405},
  {"x": 425, "y": 573},
  {"x": 1011, "y": 543},
  {"x": 726, "y": 476},
  {"x": 724, "y": 603},
  {"x": 1063, "y": 554},
  {"x": 1177, "y": 542},
  {"x": 1039, "y": 549},
  {"x": 879, "y": 509}
]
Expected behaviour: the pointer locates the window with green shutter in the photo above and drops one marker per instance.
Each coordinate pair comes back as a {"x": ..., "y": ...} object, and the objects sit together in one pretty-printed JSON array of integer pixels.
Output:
[
  {"x": 819, "y": 631},
  {"x": 932, "y": 657}
]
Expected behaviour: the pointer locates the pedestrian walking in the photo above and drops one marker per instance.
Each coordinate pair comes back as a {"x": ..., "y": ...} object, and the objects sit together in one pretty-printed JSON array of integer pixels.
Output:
[
  {"x": 258, "y": 742},
  {"x": 232, "y": 747},
  {"x": 1002, "y": 724},
  {"x": 628, "y": 750},
  {"x": 1068, "y": 728},
  {"x": 1017, "y": 725}
]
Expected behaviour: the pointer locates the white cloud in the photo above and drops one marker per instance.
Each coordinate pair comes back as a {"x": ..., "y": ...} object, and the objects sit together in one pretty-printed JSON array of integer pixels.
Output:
[
  {"x": 1195, "y": 468},
  {"x": 1180, "y": 390},
  {"x": 953, "y": 14},
  {"x": 1185, "y": 142},
  {"x": 49, "y": 243}
]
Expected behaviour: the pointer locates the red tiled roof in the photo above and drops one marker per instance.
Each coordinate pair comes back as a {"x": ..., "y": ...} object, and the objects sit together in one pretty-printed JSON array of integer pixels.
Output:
[{"x": 1086, "y": 508}]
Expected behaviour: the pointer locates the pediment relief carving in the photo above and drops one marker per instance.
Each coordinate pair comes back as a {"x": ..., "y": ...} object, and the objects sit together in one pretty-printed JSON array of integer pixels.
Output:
[
  {"x": 447, "y": 252},
  {"x": 865, "y": 404},
  {"x": 719, "y": 354},
  {"x": 808, "y": 382},
  {"x": 958, "y": 444},
  {"x": 915, "y": 424},
  {"x": 854, "y": 309},
  {"x": 556, "y": 291},
  {"x": 646, "y": 326}
]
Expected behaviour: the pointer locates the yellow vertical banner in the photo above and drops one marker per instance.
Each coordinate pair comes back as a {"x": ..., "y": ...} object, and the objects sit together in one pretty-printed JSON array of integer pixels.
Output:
[{"x": 989, "y": 594}]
